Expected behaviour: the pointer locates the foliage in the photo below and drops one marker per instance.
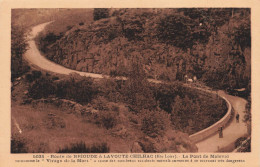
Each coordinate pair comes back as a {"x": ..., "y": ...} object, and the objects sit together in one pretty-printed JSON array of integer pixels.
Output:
[
  {"x": 210, "y": 43},
  {"x": 42, "y": 88},
  {"x": 147, "y": 146},
  {"x": 164, "y": 95},
  {"x": 136, "y": 91},
  {"x": 48, "y": 39},
  {"x": 133, "y": 29},
  {"x": 243, "y": 35},
  {"x": 194, "y": 114},
  {"x": 176, "y": 30},
  {"x": 30, "y": 77},
  {"x": 18, "y": 48},
  {"x": 79, "y": 89},
  {"x": 245, "y": 147},
  {"x": 107, "y": 118},
  {"x": 18, "y": 145},
  {"x": 100, "y": 13},
  {"x": 248, "y": 115},
  {"x": 154, "y": 123},
  {"x": 239, "y": 141},
  {"x": 81, "y": 147}
]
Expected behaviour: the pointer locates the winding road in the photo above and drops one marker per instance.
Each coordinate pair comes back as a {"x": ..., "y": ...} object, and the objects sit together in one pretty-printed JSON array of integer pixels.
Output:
[
  {"x": 213, "y": 143},
  {"x": 231, "y": 132}
]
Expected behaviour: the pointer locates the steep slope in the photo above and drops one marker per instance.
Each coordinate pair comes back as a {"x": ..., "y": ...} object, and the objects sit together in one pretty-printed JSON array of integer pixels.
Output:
[{"x": 208, "y": 43}]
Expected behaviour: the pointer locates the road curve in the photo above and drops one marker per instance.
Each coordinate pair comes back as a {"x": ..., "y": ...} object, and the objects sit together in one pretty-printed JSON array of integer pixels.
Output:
[
  {"x": 231, "y": 132},
  {"x": 211, "y": 144},
  {"x": 34, "y": 57}
]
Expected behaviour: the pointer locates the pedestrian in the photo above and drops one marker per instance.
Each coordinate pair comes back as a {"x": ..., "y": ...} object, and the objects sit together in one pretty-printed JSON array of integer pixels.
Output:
[
  {"x": 237, "y": 118},
  {"x": 221, "y": 132}
]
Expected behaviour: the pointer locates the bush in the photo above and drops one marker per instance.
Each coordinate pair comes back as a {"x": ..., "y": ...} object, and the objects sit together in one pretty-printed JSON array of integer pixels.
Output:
[
  {"x": 33, "y": 76},
  {"x": 100, "y": 13},
  {"x": 55, "y": 78},
  {"x": 136, "y": 91},
  {"x": 18, "y": 145},
  {"x": 82, "y": 148},
  {"x": 107, "y": 118},
  {"x": 80, "y": 90},
  {"x": 42, "y": 88},
  {"x": 154, "y": 123},
  {"x": 193, "y": 113},
  {"x": 18, "y": 48},
  {"x": 239, "y": 141},
  {"x": 147, "y": 146},
  {"x": 29, "y": 77},
  {"x": 246, "y": 147},
  {"x": 100, "y": 103},
  {"x": 36, "y": 74}
]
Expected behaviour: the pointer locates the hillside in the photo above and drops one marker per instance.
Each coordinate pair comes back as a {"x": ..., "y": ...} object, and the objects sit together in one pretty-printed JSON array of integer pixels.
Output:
[
  {"x": 52, "y": 112},
  {"x": 213, "y": 44}
]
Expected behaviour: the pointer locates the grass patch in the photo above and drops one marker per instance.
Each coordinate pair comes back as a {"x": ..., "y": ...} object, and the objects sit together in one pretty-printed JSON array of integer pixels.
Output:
[{"x": 82, "y": 148}]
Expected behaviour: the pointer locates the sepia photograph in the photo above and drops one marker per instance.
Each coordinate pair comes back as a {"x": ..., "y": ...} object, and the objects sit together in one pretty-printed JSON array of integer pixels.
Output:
[{"x": 130, "y": 80}]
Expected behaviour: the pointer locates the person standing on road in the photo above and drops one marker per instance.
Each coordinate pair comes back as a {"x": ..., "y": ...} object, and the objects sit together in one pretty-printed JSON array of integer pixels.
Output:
[
  {"x": 237, "y": 118},
  {"x": 221, "y": 132}
]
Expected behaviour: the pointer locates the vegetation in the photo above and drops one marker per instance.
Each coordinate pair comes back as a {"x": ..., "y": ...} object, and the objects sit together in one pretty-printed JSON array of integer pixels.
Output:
[
  {"x": 169, "y": 43},
  {"x": 164, "y": 44},
  {"x": 18, "y": 145},
  {"x": 18, "y": 48},
  {"x": 243, "y": 144},
  {"x": 248, "y": 117},
  {"x": 188, "y": 110},
  {"x": 107, "y": 118},
  {"x": 154, "y": 123},
  {"x": 80, "y": 90},
  {"x": 100, "y": 13},
  {"x": 82, "y": 148}
]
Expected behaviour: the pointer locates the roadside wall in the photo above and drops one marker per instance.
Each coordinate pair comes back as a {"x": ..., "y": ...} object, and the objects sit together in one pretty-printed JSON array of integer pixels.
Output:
[{"x": 196, "y": 137}]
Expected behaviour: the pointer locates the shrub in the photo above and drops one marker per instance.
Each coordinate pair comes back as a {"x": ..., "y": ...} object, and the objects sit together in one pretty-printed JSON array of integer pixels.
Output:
[
  {"x": 82, "y": 148},
  {"x": 147, "y": 146},
  {"x": 239, "y": 141},
  {"x": 80, "y": 90},
  {"x": 137, "y": 91},
  {"x": 36, "y": 74},
  {"x": 42, "y": 88},
  {"x": 100, "y": 13},
  {"x": 29, "y": 77},
  {"x": 19, "y": 46},
  {"x": 18, "y": 145},
  {"x": 100, "y": 103},
  {"x": 193, "y": 113},
  {"x": 53, "y": 122},
  {"x": 107, "y": 118},
  {"x": 55, "y": 78},
  {"x": 154, "y": 123}
]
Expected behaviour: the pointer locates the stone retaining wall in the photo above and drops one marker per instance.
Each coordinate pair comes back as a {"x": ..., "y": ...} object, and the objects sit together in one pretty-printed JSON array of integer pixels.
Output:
[{"x": 196, "y": 137}]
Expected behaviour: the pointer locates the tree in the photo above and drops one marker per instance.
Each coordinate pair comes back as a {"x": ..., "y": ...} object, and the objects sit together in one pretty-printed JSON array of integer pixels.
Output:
[
  {"x": 42, "y": 88},
  {"x": 137, "y": 91},
  {"x": 100, "y": 13},
  {"x": 175, "y": 30},
  {"x": 77, "y": 88},
  {"x": 243, "y": 35},
  {"x": 247, "y": 117},
  {"x": 18, "y": 48},
  {"x": 154, "y": 123}
]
